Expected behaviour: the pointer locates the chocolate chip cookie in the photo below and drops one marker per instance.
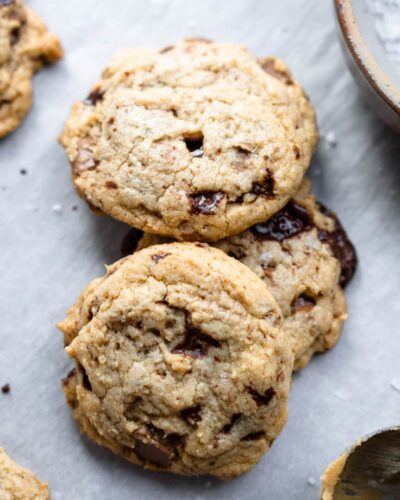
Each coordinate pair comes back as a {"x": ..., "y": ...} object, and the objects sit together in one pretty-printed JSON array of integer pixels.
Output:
[
  {"x": 181, "y": 361},
  {"x": 25, "y": 46},
  {"x": 17, "y": 483},
  {"x": 305, "y": 257},
  {"x": 197, "y": 141}
]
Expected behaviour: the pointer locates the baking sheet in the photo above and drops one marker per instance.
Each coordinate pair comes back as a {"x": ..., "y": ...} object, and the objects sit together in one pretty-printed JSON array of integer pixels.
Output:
[{"x": 49, "y": 252}]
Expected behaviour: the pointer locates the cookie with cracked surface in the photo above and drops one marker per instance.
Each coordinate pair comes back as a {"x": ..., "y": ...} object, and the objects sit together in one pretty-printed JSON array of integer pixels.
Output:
[
  {"x": 197, "y": 141},
  {"x": 17, "y": 483},
  {"x": 304, "y": 256},
  {"x": 25, "y": 46},
  {"x": 181, "y": 361}
]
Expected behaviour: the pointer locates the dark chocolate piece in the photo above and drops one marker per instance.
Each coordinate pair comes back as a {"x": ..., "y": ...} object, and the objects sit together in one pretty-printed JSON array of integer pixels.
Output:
[
  {"x": 268, "y": 65},
  {"x": 293, "y": 219},
  {"x": 160, "y": 256},
  {"x": 265, "y": 187},
  {"x": 195, "y": 343},
  {"x": 192, "y": 415},
  {"x": 205, "y": 202},
  {"x": 303, "y": 303},
  {"x": 342, "y": 248},
  {"x": 6, "y": 389},
  {"x": 94, "y": 97},
  {"x": 262, "y": 399}
]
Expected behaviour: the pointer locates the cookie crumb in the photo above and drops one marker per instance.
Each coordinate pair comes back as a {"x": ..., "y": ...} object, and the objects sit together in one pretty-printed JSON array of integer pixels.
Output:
[
  {"x": 312, "y": 481},
  {"x": 6, "y": 389},
  {"x": 330, "y": 139},
  {"x": 75, "y": 208},
  {"x": 56, "y": 208},
  {"x": 23, "y": 171}
]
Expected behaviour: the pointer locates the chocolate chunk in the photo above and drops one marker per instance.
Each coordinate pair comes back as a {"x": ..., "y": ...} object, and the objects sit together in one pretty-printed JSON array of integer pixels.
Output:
[
  {"x": 228, "y": 427},
  {"x": 205, "y": 203},
  {"x": 192, "y": 415},
  {"x": 110, "y": 185},
  {"x": 253, "y": 436},
  {"x": 15, "y": 35},
  {"x": 160, "y": 256},
  {"x": 293, "y": 219},
  {"x": 153, "y": 445},
  {"x": 85, "y": 379},
  {"x": 94, "y": 97},
  {"x": 71, "y": 374},
  {"x": 303, "y": 303},
  {"x": 269, "y": 66},
  {"x": 153, "y": 452},
  {"x": 195, "y": 343},
  {"x": 265, "y": 187},
  {"x": 130, "y": 242},
  {"x": 84, "y": 160},
  {"x": 6, "y": 389},
  {"x": 342, "y": 248},
  {"x": 296, "y": 151},
  {"x": 262, "y": 399}
]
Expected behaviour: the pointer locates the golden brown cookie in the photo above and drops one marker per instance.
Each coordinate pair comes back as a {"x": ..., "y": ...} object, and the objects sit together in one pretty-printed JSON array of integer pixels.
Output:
[{"x": 182, "y": 364}]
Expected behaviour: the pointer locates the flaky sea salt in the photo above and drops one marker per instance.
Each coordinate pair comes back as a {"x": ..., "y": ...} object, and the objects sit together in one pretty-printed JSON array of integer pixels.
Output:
[
  {"x": 387, "y": 25},
  {"x": 312, "y": 481},
  {"x": 56, "y": 208},
  {"x": 330, "y": 139}
]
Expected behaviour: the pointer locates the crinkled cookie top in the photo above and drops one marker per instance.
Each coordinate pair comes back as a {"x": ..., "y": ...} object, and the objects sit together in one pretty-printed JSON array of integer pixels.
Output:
[
  {"x": 197, "y": 141},
  {"x": 305, "y": 257},
  {"x": 182, "y": 364}
]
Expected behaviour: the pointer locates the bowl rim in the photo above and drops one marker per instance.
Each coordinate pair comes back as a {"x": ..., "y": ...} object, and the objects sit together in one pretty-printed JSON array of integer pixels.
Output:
[{"x": 363, "y": 57}]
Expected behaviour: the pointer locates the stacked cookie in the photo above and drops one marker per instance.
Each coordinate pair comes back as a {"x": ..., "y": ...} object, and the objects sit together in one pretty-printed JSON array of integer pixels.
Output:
[{"x": 184, "y": 350}]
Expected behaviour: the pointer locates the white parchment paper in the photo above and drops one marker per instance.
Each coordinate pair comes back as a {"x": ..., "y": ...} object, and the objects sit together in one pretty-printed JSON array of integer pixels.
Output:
[{"x": 50, "y": 252}]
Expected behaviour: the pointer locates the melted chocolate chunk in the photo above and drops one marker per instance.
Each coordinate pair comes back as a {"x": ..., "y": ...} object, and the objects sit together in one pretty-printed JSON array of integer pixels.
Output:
[
  {"x": 84, "y": 160},
  {"x": 205, "y": 203},
  {"x": 253, "y": 436},
  {"x": 195, "y": 343},
  {"x": 192, "y": 415},
  {"x": 303, "y": 303},
  {"x": 269, "y": 66},
  {"x": 262, "y": 399},
  {"x": 6, "y": 389},
  {"x": 159, "y": 256},
  {"x": 342, "y": 248},
  {"x": 71, "y": 374},
  {"x": 153, "y": 452},
  {"x": 228, "y": 427},
  {"x": 266, "y": 187},
  {"x": 288, "y": 222},
  {"x": 94, "y": 97},
  {"x": 130, "y": 242},
  {"x": 153, "y": 445},
  {"x": 110, "y": 185}
]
